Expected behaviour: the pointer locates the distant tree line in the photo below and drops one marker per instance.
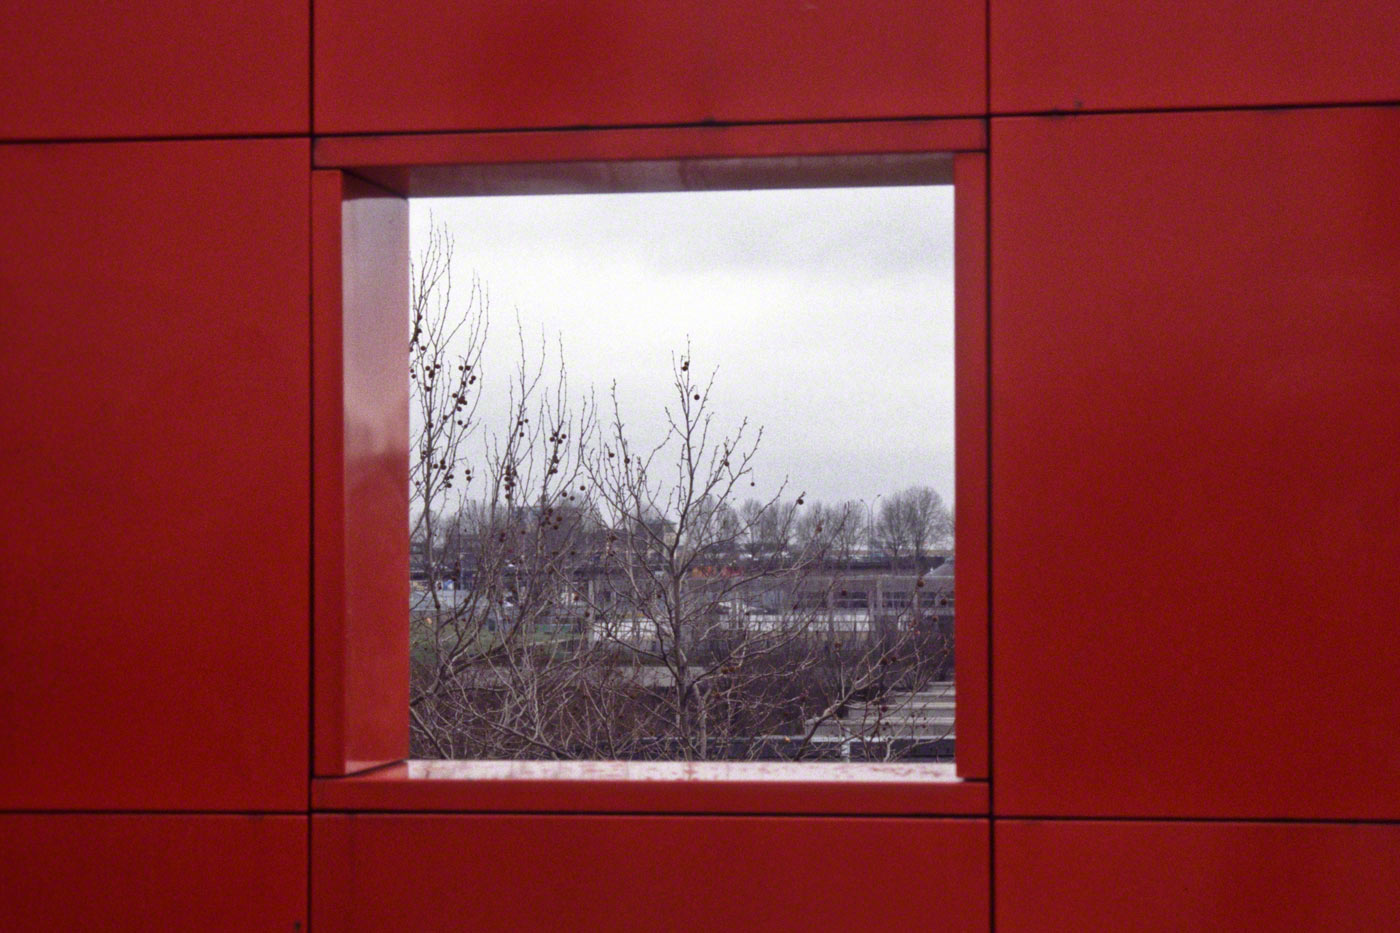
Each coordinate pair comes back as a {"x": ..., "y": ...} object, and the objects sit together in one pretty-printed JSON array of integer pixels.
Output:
[{"x": 902, "y": 529}]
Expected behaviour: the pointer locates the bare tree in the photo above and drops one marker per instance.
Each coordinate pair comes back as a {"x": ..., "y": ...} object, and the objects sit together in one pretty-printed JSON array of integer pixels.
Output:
[
  {"x": 675, "y": 498},
  {"x": 813, "y": 526},
  {"x": 911, "y": 522},
  {"x": 499, "y": 668},
  {"x": 611, "y": 600},
  {"x": 445, "y": 346},
  {"x": 850, "y": 533}
]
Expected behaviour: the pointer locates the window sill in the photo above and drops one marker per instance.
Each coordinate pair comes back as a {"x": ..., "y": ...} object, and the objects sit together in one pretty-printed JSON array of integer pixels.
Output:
[{"x": 656, "y": 787}]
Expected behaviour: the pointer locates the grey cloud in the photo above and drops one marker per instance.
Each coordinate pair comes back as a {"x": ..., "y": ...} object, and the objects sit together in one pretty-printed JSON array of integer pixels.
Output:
[{"x": 829, "y": 313}]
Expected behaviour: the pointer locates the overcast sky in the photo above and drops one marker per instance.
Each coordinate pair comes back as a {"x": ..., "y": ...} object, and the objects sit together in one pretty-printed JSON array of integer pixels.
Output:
[{"x": 828, "y": 312}]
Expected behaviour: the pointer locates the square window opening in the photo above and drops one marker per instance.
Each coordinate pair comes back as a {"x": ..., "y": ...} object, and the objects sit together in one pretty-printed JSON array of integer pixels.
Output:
[{"x": 682, "y": 461}]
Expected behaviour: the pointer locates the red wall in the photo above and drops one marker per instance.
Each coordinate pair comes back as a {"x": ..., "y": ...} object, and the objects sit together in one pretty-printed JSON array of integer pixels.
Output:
[
  {"x": 1194, "y": 413},
  {"x": 605, "y": 873},
  {"x": 1194, "y": 436},
  {"x": 153, "y": 589},
  {"x": 360, "y": 486}
]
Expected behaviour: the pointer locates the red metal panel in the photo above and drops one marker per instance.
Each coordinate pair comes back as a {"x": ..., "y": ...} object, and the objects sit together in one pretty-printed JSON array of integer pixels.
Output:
[
  {"x": 329, "y": 640},
  {"x": 391, "y": 66},
  {"x": 796, "y": 60},
  {"x": 361, "y": 474},
  {"x": 395, "y": 67},
  {"x": 152, "y": 872},
  {"x": 1195, "y": 426},
  {"x": 1066, "y": 875},
  {"x": 420, "y": 872},
  {"x": 93, "y": 68},
  {"x": 638, "y": 159},
  {"x": 656, "y": 787},
  {"x": 153, "y": 582},
  {"x": 1156, "y": 54},
  {"x": 970, "y": 635}
]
